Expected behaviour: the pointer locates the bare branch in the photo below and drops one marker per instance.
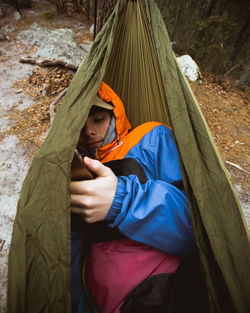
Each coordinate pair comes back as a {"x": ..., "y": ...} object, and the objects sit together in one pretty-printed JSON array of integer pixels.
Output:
[
  {"x": 237, "y": 166},
  {"x": 52, "y": 105},
  {"x": 48, "y": 62}
]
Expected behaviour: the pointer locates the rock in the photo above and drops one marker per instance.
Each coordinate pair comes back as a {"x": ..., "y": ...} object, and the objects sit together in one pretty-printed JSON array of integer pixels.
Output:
[
  {"x": 244, "y": 80},
  {"x": 59, "y": 44},
  {"x": 189, "y": 67},
  {"x": 91, "y": 30},
  {"x": 17, "y": 16},
  {"x": 85, "y": 47},
  {"x": 174, "y": 45},
  {"x": 8, "y": 29}
]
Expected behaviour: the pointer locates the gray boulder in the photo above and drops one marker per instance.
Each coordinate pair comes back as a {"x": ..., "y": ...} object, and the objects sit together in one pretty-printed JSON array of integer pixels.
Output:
[
  {"x": 91, "y": 30},
  {"x": 244, "y": 79},
  {"x": 17, "y": 16},
  {"x": 189, "y": 67},
  {"x": 58, "y": 44}
]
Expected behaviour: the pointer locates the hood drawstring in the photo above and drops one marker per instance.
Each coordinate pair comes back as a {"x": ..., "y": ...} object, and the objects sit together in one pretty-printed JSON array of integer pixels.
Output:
[
  {"x": 118, "y": 143},
  {"x": 96, "y": 155}
]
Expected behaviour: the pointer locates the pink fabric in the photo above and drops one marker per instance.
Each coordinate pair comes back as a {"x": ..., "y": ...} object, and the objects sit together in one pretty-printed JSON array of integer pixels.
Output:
[{"x": 114, "y": 268}]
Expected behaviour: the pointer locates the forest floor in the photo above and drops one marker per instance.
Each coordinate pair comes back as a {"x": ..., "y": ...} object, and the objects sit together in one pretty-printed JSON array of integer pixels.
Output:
[{"x": 26, "y": 92}]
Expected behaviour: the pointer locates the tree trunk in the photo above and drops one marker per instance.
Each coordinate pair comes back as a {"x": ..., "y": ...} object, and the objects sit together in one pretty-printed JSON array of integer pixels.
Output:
[
  {"x": 59, "y": 5},
  {"x": 21, "y": 4},
  {"x": 104, "y": 9},
  {"x": 86, "y": 7}
]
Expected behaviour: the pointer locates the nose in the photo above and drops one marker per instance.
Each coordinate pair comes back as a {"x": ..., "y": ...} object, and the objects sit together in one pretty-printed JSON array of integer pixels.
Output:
[{"x": 89, "y": 129}]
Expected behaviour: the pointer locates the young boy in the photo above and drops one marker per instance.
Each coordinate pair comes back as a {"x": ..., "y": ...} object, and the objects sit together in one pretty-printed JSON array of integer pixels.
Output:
[{"x": 136, "y": 208}]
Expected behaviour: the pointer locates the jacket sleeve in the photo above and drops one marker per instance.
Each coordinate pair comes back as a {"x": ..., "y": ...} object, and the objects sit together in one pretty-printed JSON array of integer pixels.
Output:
[{"x": 155, "y": 213}]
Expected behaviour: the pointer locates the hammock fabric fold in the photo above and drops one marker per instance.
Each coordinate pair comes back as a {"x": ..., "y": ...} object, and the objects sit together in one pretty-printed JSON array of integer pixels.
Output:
[{"x": 132, "y": 53}]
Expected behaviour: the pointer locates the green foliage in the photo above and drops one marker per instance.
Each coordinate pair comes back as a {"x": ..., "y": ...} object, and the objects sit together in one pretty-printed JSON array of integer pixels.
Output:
[
  {"x": 168, "y": 19},
  {"x": 216, "y": 37},
  {"x": 215, "y": 33},
  {"x": 217, "y": 28},
  {"x": 47, "y": 16},
  {"x": 166, "y": 15}
]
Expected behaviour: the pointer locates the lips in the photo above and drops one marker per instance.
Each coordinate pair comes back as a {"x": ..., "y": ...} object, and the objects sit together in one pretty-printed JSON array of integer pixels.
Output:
[{"x": 94, "y": 144}]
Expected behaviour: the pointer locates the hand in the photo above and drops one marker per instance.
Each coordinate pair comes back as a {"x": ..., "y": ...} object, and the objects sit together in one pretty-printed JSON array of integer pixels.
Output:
[{"x": 93, "y": 198}]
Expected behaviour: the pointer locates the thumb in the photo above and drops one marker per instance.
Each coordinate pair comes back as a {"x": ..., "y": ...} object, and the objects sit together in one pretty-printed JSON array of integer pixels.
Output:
[{"x": 97, "y": 167}]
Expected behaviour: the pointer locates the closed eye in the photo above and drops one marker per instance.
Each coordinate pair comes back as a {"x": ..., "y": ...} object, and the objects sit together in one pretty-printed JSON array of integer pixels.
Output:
[{"x": 98, "y": 119}]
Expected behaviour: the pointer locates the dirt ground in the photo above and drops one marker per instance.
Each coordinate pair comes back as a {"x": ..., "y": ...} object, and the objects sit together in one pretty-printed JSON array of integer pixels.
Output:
[
  {"x": 33, "y": 89},
  {"x": 226, "y": 110}
]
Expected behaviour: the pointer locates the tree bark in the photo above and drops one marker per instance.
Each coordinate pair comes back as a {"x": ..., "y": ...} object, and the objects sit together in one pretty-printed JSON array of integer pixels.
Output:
[
  {"x": 24, "y": 3},
  {"x": 104, "y": 9},
  {"x": 86, "y": 7},
  {"x": 21, "y": 4}
]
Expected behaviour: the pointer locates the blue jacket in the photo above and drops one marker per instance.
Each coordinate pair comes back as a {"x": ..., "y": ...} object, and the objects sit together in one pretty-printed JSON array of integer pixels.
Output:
[{"x": 154, "y": 212}]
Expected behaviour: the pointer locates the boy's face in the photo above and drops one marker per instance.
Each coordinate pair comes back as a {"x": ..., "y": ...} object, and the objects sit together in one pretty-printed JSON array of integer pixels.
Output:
[{"x": 95, "y": 129}]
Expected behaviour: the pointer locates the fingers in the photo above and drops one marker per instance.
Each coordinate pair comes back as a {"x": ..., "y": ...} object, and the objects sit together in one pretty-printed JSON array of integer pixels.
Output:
[
  {"x": 90, "y": 215},
  {"x": 86, "y": 214},
  {"x": 80, "y": 201},
  {"x": 93, "y": 198},
  {"x": 82, "y": 187},
  {"x": 97, "y": 167},
  {"x": 76, "y": 210}
]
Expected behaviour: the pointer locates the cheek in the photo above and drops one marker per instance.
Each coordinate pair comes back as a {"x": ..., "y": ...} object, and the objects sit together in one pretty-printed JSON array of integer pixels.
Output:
[
  {"x": 105, "y": 126},
  {"x": 105, "y": 129}
]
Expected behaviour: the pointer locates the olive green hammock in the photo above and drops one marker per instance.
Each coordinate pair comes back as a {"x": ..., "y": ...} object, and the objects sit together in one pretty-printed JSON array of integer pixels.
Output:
[{"x": 133, "y": 54}]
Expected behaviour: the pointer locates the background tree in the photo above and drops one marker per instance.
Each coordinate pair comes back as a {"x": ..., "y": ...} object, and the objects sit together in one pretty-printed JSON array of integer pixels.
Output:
[
  {"x": 216, "y": 33},
  {"x": 24, "y": 3},
  {"x": 19, "y": 4},
  {"x": 82, "y": 6},
  {"x": 104, "y": 9}
]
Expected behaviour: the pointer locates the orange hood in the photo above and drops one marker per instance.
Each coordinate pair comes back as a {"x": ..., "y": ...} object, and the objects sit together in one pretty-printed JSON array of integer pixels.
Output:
[{"x": 122, "y": 124}]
